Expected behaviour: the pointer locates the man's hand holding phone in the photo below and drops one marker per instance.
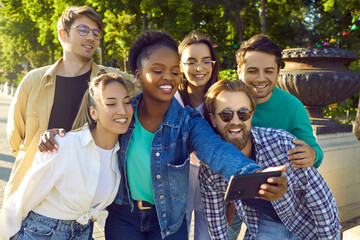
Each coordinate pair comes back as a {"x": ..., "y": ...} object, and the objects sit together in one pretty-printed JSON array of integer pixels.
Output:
[
  {"x": 268, "y": 184},
  {"x": 277, "y": 186}
]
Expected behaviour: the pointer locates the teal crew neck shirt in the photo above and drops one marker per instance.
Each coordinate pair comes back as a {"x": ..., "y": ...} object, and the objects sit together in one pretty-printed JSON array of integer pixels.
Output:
[
  {"x": 138, "y": 163},
  {"x": 285, "y": 111}
]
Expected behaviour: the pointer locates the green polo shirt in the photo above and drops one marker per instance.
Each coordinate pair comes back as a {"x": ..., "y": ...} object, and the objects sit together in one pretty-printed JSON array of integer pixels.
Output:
[{"x": 285, "y": 111}]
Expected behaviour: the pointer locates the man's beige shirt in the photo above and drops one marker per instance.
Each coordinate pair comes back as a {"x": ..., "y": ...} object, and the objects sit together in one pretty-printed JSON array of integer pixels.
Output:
[{"x": 29, "y": 115}]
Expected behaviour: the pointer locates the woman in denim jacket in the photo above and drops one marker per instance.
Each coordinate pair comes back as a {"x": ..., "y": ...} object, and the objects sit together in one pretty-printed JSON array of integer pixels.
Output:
[{"x": 154, "y": 155}]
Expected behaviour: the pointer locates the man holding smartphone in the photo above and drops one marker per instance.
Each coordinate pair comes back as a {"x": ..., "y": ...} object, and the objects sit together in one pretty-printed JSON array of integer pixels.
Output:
[{"x": 308, "y": 209}]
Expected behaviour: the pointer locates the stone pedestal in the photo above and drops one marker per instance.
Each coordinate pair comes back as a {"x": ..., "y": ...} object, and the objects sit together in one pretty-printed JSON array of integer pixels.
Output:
[
  {"x": 318, "y": 77},
  {"x": 341, "y": 170}
]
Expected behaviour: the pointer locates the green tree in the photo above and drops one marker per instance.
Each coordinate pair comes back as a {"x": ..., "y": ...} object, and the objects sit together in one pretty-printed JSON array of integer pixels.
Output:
[
  {"x": 19, "y": 40},
  {"x": 118, "y": 41}
]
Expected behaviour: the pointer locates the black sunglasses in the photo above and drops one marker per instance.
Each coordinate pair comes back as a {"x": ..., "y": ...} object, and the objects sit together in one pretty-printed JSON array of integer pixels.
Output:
[{"x": 228, "y": 115}]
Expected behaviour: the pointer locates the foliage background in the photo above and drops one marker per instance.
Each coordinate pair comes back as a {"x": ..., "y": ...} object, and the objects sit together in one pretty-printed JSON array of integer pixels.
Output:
[{"x": 28, "y": 34}]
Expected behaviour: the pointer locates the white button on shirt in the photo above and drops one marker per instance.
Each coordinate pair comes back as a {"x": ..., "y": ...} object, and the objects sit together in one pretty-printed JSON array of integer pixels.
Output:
[{"x": 74, "y": 170}]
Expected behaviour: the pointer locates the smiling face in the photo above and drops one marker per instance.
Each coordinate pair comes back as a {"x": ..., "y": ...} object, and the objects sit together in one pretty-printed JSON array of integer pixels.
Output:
[
  {"x": 78, "y": 47},
  {"x": 236, "y": 131},
  {"x": 196, "y": 53},
  {"x": 160, "y": 74},
  {"x": 113, "y": 110},
  {"x": 260, "y": 72}
]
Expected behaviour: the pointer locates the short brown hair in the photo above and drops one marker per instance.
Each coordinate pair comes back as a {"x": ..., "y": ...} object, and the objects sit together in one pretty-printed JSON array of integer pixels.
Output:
[
  {"x": 226, "y": 85},
  {"x": 260, "y": 43},
  {"x": 72, "y": 13}
]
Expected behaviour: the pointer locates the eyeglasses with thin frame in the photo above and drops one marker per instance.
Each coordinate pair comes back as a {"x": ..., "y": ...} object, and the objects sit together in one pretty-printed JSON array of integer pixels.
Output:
[
  {"x": 84, "y": 30},
  {"x": 206, "y": 65},
  {"x": 228, "y": 115}
]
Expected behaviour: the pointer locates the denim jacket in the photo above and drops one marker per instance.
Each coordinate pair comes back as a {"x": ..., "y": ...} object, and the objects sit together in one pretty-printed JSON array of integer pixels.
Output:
[{"x": 182, "y": 132}]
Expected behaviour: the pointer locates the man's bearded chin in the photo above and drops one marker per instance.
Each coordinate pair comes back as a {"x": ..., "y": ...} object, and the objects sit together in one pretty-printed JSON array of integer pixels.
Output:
[{"x": 239, "y": 142}]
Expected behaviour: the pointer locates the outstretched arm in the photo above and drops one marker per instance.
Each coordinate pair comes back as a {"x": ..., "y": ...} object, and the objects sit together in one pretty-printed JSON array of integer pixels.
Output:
[{"x": 222, "y": 157}]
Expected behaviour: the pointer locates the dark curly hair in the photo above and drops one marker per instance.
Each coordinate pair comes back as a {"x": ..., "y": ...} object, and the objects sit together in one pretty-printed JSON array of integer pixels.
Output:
[{"x": 145, "y": 44}]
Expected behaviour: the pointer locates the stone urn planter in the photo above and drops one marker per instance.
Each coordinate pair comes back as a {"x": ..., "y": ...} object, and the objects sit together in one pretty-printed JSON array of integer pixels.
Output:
[{"x": 318, "y": 77}]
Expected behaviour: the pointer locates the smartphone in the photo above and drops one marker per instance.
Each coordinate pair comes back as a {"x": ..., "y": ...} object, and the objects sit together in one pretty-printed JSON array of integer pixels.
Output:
[{"x": 247, "y": 186}]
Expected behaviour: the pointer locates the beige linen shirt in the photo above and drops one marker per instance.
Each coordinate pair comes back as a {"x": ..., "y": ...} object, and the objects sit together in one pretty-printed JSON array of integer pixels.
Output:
[
  {"x": 29, "y": 115},
  {"x": 61, "y": 185}
]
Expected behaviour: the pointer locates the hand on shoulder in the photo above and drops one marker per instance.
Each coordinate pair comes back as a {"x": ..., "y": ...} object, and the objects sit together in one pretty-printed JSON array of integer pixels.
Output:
[{"x": 47, "y": 143}]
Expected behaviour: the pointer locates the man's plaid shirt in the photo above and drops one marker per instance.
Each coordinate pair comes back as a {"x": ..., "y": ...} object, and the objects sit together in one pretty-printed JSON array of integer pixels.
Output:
[{"x": 308, "y": 208}]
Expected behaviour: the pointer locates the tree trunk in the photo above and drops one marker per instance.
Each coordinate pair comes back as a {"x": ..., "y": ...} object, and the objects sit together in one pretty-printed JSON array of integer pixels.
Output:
[
  {"x": 239, "y": 22},
  {"x": 102, "y": 52},
  {"x": 144, "y": 16},
  {"x": 357, "y": 123},
  {"x": 263, "y": 16}
]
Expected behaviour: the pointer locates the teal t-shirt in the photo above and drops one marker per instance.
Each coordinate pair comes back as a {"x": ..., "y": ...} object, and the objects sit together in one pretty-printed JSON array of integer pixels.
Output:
[
  {"x": 285, "y": 111},
  {"x": 138, "y": 163}
]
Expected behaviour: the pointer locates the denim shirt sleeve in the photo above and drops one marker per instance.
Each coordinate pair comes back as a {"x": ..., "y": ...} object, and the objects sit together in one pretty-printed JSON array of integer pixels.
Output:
[{"x": 222, "y": 157}]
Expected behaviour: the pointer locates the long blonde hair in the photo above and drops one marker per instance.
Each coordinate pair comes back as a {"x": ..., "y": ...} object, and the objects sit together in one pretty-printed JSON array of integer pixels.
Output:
[{"x": 89, "y": 99}]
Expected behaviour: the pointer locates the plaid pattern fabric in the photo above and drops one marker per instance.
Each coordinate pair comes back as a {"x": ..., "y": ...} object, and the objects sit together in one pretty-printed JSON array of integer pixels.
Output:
[{"x": 308, "y": 209}]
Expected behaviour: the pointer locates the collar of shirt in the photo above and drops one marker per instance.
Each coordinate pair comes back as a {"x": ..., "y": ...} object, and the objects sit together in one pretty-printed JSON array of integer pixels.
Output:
[{"x": 50, "y": 75}]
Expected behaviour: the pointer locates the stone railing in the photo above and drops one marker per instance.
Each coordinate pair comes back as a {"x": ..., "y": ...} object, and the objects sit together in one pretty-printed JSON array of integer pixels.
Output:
[{"x": 8, "y": 88}]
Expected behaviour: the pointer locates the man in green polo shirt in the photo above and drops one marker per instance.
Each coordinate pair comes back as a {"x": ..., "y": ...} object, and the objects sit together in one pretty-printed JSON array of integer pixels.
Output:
[
  {"x": 258, "y": 65},
  {"x": 258, "y": 61}
]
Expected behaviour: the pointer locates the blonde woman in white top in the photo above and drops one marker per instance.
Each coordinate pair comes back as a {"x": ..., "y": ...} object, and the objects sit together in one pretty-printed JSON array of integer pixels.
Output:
[{"x": 64, "y": 192}]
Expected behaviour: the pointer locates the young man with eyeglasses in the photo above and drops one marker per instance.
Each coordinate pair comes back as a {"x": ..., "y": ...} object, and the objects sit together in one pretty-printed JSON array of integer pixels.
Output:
[
  {"x": 49, "y": 97},
  {"x": 308, "y": 209}
]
